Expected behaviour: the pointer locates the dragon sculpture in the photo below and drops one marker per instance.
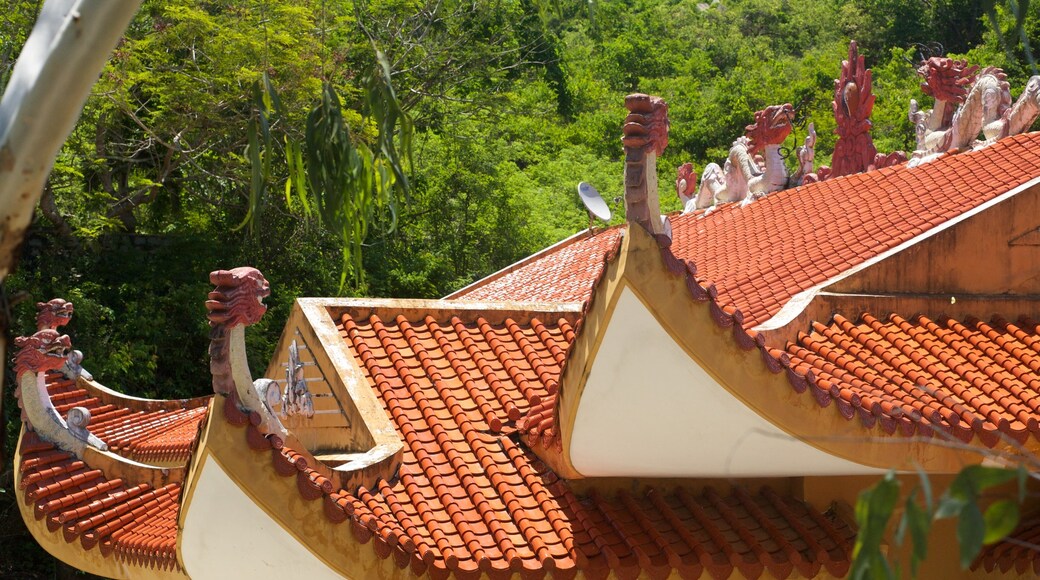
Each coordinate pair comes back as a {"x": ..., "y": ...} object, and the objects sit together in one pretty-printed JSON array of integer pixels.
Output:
[
  {"x": 644, "y": 136},
  {"x": 744, "y": 177},
  {"x": 969, "y": 102},
  {"x": 46, "y": 351},
  {"x": 237, "y": 302},
  {"x": 52, "y": 315}
]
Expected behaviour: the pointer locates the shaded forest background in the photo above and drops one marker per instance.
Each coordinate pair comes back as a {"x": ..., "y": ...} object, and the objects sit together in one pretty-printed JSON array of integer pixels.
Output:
[{"x": 513, "y": 102}]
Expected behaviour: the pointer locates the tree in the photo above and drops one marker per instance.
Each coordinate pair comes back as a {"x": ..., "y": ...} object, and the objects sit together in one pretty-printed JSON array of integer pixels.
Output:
[{"x": 44, "y": 96}]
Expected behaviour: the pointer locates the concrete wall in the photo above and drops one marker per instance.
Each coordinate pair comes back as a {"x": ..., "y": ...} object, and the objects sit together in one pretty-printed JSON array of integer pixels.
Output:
[{"x": 996, "y": 251}]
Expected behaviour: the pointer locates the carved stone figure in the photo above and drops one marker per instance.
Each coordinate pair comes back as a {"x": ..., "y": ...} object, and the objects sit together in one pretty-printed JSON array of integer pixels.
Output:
[
  {"x": 1019, "y": 117},
  {"x": 53, "y": 314},
  {"x": 692, "y": 197},
  {"x": 948, "y": 81},
  {"x": 236, "y": 301},
  {"x": 747, "y": 176},
  {"x": 713, "y": 186},
  {"x": 56, "y": 313},
  {"x": 41, "y": 352},
  {"x": 644, "y": 136},
  {"x": 853, "y": 103},
  {"x": 297, "y": 398},
  {"x": 37, "y": 354},
  {"x": 806, "y": 158},
  {"x": 685, "y": 184},
  {"x": 969, "y": 103}
]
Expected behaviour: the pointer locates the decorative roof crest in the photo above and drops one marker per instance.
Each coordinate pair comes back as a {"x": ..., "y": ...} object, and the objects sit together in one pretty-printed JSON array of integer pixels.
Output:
[
  {"x": 48, "y": 350},
  {"x": 853, "y": 103},
  {"x": 645, "y": 136},
  {"x": 237, "y": 302},
  {"x": 755, "y": 166},
  {"x": 55, "y": 313},
  {"x": 969, "y": 103}
]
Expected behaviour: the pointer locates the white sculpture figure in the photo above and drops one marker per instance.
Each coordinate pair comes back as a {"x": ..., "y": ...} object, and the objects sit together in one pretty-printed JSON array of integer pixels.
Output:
[
  {"x": 713, "y": 186},
  {"x": 748, "y": 178},
  {"x": 686, "y": 184},
  {"x": 297, "y": 399},
  {"x": 983, "y": 108},
  {"x": 806, "y": 157},
  {"x": 1020, "y": 116}
]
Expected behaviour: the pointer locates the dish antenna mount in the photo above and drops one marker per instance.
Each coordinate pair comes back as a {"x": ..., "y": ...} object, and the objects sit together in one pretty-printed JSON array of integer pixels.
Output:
[{"x": 594, "y": 203}]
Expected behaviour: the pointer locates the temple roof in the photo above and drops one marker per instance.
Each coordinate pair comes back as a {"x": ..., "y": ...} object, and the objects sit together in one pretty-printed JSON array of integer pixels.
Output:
[
  {"x": 472, "y": 392},
  {"x": 564, "y": 272},
  {"x": 470, "y": 497},
  {"x": 968, "y": 379},
  {"x": 153, "y": 436},
  {"x": 760, "y": 255},
  {"x": 134, "y": 522}
]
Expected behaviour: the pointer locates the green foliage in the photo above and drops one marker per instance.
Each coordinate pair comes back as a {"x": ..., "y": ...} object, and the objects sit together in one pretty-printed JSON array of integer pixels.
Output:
[
  {"x": 282, "y": 115},
  {"x": 963, "y": 499}
]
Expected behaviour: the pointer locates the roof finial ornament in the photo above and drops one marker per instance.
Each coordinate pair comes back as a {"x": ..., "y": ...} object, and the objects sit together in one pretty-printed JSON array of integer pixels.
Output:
[
  {"x": 52, "y": 315},
  {"x": 45, "y": 351},
  {"x": 968, "y": 101},
  {"x": 297, "y": 398},
  {"x": 645, "y": 137},
  {"x": 237, "y": 302},
  {"x": 853, "y": 103},
  {"x": 755, "y": 167}
]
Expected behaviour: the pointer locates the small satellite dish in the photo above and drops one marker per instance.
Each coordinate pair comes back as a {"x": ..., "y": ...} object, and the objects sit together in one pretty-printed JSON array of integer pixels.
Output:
[{"x": 593, "y": 202}]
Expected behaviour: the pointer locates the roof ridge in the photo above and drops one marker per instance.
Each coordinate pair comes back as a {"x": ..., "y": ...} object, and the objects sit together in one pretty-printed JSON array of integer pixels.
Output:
[{"x": 569, "y": 240}]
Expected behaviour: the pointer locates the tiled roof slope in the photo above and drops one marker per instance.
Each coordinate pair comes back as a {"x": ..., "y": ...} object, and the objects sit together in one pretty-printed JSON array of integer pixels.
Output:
[
  {"x": 470, "y": 499},
  {"x": 133, "y": 523},
  {"x": 966, "y": 379},
  {"x": 1017, "y": 551},
  {"x": 761, "y": 255},
  {"x": 148, "y": 437},
  {"x": 564, "y": 273}
]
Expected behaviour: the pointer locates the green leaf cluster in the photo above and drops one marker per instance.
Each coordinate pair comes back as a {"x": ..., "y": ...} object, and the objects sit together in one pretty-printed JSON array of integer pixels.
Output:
[{"x": 964, "y": 500}]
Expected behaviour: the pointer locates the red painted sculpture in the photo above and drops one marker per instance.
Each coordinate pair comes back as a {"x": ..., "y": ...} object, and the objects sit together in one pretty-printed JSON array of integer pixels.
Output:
[
  {"x": 53, "y": 314},
  {"x": 44, "y": 351}
]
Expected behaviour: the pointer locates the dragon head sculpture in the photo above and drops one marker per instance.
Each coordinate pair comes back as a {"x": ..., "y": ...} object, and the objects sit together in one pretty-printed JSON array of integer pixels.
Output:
[
  {"x": 44, "y": 351},
  {"x": 646, "y": 125},
  {"x": 772, "y": 125},
  {"x": 946, "y": 79},
  {"x": 685, "y": 182},
  {"x": 238, "y": 297},
  {"x": 53, "y": 314},
  {"x": 853, "y": 94}
]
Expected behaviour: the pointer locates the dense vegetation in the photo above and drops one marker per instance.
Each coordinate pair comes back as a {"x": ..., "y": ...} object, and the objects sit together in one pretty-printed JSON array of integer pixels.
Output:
[{"x": 513, "y": 102}]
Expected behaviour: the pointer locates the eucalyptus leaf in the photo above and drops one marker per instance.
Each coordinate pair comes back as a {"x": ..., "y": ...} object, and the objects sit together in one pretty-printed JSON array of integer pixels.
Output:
[
  {"x": 971, "y": 530},
  {"x": 1001, "y": 518}
]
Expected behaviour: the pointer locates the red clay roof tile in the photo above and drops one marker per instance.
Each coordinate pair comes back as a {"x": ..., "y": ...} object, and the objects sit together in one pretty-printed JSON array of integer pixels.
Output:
[
  {"x": 970, "y": 379},
  {"x": 136, "y": 524},
  {"x": 469, "y": 499},
  {"x": 814, "y": 232},
  {"x": 1015, "y": 552},
  {"x": 148, "y": 437},
  {"x": 759, "y": 256},
  {"x": 562, "y": 273}
]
